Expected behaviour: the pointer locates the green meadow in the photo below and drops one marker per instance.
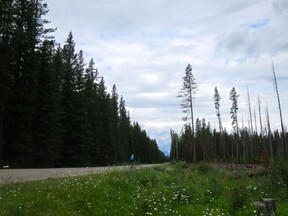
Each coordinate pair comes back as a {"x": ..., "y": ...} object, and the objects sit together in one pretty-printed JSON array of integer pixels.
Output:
[{"x": 169, "y": 189}]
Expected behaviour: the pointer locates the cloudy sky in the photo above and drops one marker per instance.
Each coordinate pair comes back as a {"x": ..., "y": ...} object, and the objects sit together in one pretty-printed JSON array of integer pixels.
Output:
[{"x": 144, "y": 46}]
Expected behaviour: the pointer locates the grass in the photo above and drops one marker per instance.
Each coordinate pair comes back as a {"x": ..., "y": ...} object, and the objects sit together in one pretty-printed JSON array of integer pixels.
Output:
[{"x": 175, "y": 189}]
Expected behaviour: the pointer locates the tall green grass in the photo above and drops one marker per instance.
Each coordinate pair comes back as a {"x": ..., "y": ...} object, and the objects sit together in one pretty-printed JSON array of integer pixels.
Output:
[{"x": 175, "y": 189}]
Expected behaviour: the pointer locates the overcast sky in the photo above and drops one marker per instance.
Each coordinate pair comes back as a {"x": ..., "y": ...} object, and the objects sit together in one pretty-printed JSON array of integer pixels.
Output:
[{"x": 144, "y": 46}]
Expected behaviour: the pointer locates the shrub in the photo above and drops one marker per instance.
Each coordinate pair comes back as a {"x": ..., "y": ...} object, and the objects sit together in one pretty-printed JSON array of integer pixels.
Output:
[
  {"x": 239, "y": 196},
  {"x": 182, "y": 164},
  {"x": 264, "y": 159},
  {"x": 204, "y": 168},
  {"x": 279, "y": 177},
  {"x": 279, "y": 171}
]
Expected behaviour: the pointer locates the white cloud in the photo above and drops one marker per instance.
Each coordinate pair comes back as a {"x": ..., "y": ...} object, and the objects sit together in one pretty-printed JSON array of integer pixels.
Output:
[{"x": 144, "y": 46}]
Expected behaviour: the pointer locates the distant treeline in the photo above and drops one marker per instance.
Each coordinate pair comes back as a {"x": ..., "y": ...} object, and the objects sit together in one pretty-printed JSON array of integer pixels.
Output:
[
  {"x": 211, "y": 146},
  {"x": 244, "y": 145},
  {"x": 55, "y": 110}
]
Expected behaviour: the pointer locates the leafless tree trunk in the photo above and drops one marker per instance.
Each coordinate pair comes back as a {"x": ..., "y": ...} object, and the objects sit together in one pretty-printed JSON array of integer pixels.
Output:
[
  {"x": 269, "y": 135},
  {"x": 255, "y": 120},
  {"x": 251, "y": 123},
  {"x": 279, "y": 106},
  {"x": 260, "y": 117}
]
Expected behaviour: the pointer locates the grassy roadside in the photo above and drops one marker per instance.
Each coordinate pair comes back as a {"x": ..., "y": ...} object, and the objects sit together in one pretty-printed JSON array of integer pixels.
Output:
[{"x": 175, "y": 189}]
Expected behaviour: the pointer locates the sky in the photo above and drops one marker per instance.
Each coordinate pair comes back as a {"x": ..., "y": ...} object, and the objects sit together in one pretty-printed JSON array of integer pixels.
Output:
[{"x": 143, "y": 47}]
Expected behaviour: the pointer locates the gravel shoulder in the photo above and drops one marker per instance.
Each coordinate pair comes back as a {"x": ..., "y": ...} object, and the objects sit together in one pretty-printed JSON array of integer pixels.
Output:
[{"x": 20, "y": 175}]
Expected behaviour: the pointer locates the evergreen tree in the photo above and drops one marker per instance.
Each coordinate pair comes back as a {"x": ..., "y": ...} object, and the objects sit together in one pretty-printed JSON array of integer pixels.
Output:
[
  {"x": 47, "y": 125},
  {"x": 53, "y": 112},
  {"x": 233, "y": 111},
  {"x": 119, "y": 154},
  {"x": 187, "y": 91},
  {"x": 74, "y": 150},
  {"x": 124, "y": 130},
  {"x": 107, "y": 147},
  {"x": 90, "y": 114},
  {"x": 174, "y": 150},
  {"x": 217, "y": 99},
  {"x": 6, "y": 29},
  {"x": 26, "y": 33}
]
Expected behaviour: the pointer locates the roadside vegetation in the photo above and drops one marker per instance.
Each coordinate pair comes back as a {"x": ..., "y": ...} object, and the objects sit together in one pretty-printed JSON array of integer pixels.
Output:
[{"x": 171, "y": 189}]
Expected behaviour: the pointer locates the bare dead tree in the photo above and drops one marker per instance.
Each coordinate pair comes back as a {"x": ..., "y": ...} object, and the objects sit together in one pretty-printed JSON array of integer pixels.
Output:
[
  {"x": 269, "y": 134},
  {"x": 255, "y": 120},
  {"x": 251, "y": 125},
  {"x": 260, "y": 117},
  {"x": 280, "y": 112},
  {"x": 249, "y": 104}
]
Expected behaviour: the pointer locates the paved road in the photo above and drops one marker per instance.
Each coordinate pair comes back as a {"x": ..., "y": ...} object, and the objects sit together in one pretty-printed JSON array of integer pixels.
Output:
[{"x": 17, "y": 175}]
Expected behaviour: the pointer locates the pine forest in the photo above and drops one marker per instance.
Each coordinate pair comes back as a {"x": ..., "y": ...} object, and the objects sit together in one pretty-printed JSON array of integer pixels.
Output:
[{"x": 55, "y": 110}]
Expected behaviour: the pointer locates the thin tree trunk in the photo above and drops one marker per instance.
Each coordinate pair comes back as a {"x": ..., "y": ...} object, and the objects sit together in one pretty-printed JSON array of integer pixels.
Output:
[
  {"x": 243, "y": 141},
  {"x": 237, "y": 140},
  {"x": 251, "y": 124},
  {"x": 260, "y": 117},
  {"x": 192, "y": 126},
  {"x": 279, "y": 105},
  {"x": 255, "y": 121},
  {"x": 269, "y": 136}
]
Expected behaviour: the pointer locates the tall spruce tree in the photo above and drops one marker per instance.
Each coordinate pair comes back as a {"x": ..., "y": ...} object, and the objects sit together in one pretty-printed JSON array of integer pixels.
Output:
[
  {"x": 47, "y": 125},
  {"x": 74, "y": 149},
  {"x": 233, "y": 111},
  {"x": 115, "y": 125},
  {"x": 124, "y": 130},
  {"x": 90, "y": 112},
  {"x": 28, "y": 28},
  {"x": 187, "y": 91},
  {"x": 6, "y": 29},
  {"x": 217, "y": 99},
  {"x": 107, "y": 146}
]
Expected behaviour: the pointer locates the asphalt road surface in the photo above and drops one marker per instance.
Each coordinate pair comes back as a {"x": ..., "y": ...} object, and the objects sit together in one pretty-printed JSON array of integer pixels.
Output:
[{"x": 18, "y": 175}]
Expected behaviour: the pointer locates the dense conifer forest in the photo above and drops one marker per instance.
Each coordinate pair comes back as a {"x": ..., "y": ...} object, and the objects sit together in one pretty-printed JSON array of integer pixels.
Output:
[{"x": 55, "y": 110}]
